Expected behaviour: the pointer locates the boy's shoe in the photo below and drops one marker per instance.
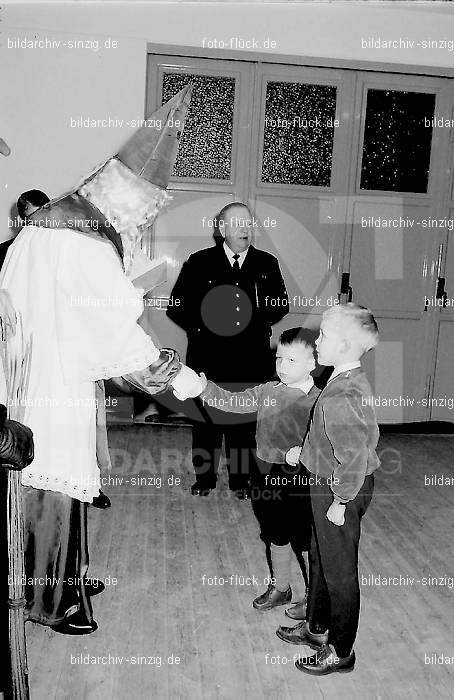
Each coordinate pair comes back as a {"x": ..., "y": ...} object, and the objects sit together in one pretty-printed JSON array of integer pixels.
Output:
[
  {"x": 300, "y": 634},
  {"x": 326, "y": 661},
  {"x": 272, "y": 598},
  {"x": 298, "y": 610}
]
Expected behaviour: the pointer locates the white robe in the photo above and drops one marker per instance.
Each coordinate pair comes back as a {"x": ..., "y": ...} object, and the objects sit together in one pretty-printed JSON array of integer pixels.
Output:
[{"x": 81, "y": 311}]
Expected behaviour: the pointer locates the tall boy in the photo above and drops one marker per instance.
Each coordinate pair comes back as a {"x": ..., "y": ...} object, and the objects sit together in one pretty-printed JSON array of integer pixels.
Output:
[{"x": 340, "y": 447}]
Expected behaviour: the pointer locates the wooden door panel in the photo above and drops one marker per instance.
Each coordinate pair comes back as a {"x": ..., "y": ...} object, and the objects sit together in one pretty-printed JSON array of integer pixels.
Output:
[
  {"x": 393, "y": 371},
  {"x": 442, "y": 396},
  {"x": 391, "y": 255},
  {"x": 308, "y": 248}
]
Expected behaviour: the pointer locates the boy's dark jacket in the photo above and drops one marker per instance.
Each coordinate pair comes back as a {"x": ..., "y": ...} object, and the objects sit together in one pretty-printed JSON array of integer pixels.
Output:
[{"x": 343, "y": 434}]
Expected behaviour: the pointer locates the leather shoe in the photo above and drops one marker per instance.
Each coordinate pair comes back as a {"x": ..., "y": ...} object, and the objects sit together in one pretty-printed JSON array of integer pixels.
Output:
[
  {"x": 75, "y": 624},
  {"x": 93, "y": 586},
  {"x": 298, "y": 610},
  {"x": 200, "y": 489},
  {"x": 101, "y": 501},
  {"x": 272, "y": 598},
  {"x": 300, "y": 634},
  {"x": 326, "y": 661}
]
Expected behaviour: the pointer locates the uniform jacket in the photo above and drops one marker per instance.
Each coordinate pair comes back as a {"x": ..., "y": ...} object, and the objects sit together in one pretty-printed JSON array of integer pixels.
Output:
[{"x": 227, "y": 315}]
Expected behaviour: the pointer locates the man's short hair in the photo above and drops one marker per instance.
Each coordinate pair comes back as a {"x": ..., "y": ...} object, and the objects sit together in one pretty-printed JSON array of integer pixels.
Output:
[
  {"x": 221, "y": 218},
  {"x": 34, "y": 197},
  {"x": 357, "y": 321},
  {"x": 301, "y": 336}
]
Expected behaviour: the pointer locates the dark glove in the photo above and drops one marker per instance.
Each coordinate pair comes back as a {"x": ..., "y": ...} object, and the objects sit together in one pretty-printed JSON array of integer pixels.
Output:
[
  {"x": 16, "y": 443},
  {"x": 156, "y": 378}
]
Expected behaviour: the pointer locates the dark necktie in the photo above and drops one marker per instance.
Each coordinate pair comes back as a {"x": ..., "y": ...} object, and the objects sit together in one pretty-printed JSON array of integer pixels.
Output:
[{"x": 236, "y": 264}]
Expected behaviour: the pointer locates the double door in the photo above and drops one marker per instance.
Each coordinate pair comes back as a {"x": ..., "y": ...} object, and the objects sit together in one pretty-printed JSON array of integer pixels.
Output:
[{"x": 350, "y": 183}]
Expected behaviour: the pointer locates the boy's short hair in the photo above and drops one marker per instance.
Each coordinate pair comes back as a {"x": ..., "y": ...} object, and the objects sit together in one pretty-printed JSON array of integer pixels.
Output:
[
  {"x": 358, "y": 318},
  {"x": 302, "y": 336}
]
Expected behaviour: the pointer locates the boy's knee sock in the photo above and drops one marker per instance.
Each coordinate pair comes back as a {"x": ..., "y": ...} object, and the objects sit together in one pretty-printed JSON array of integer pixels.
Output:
[
  {"x": 302, "y": 559},
  {"x": 281, "y": 558}
]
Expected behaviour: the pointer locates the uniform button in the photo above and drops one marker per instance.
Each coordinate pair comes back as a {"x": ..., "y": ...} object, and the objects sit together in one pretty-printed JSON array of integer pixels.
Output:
[
  {"x": 237, "y": 323},
  {"x": 237, "y": 283},
  {"x": 237, "y": 296},
  {"x": 237, "y": 308}
]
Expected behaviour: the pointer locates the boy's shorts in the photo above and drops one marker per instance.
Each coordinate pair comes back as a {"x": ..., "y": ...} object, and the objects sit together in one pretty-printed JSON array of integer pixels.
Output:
[{"x": 281, "y": 502}]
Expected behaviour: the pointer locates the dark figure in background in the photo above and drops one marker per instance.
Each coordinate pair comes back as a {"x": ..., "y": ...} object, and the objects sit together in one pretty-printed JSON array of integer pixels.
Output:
[
  {"x": 27, "y": 203},
  {"x": 229, "y": 296}
]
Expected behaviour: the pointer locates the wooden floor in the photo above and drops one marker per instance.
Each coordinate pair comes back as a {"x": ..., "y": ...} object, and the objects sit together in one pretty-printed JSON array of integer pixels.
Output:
[{"x": 159, "y": 543}]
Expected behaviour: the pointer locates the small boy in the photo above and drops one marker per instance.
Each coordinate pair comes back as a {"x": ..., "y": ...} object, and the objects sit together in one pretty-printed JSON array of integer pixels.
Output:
[
  {"x": 279, "y": 493},
  {"x": 340, "y": 450}
]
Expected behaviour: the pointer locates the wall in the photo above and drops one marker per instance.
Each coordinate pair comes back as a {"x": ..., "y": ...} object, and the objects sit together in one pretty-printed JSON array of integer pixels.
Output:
[
  {"x": 312, "y": 29},
  {"x": 49, "y": 87}
]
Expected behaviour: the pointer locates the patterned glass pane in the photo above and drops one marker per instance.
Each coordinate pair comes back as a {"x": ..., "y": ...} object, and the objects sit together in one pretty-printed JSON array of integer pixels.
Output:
[
  {"x": 397, "y": 141},
  {"x": 206, "y": 145},
  {"x": 299, "y": 134}
]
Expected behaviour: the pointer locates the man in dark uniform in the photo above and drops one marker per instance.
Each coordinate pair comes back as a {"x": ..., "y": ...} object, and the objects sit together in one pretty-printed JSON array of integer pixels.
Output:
[{"x": 227, "y": 298}]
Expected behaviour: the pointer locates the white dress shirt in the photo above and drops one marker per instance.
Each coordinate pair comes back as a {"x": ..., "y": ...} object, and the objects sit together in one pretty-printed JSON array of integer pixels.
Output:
[
  {"x": 230, "y": 255},
  {"x": 344, "y": 368},
  {"x": 304, "y": 386}
]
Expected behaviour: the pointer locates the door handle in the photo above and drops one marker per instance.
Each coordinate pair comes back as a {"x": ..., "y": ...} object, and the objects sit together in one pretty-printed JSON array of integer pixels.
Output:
[
  {"x": 441, "y": 293},
  {"x": 345, "y": 288}
]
